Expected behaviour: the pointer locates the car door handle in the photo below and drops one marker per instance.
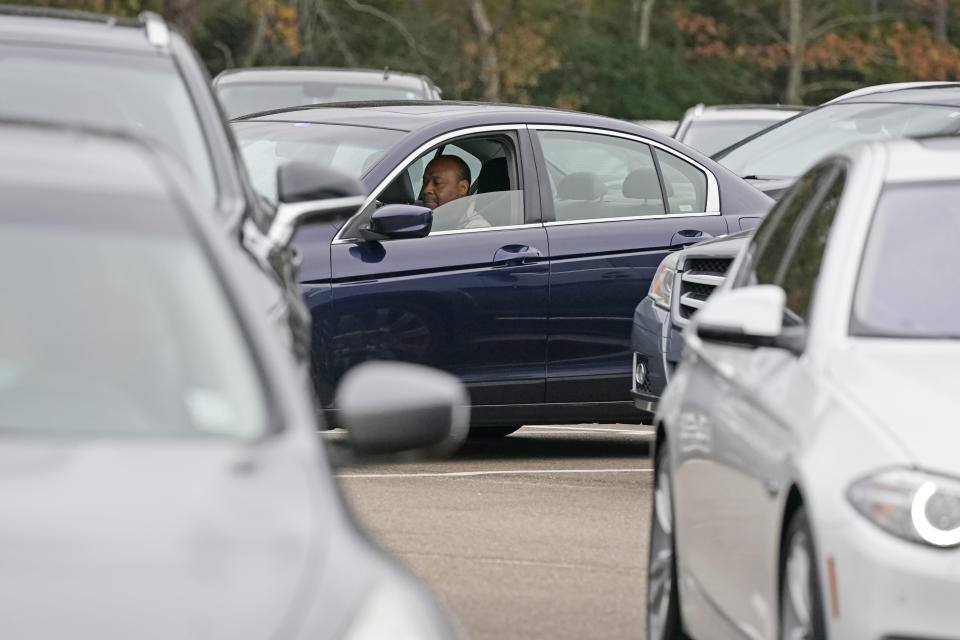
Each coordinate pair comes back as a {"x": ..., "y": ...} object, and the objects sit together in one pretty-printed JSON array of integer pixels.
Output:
[
  {"x": 688, "y": 236},
  {"x": 516, "y": 254}
]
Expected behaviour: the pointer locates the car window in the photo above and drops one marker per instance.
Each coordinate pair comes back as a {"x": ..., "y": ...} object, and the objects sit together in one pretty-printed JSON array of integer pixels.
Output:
[
  {"x": 594, "y": 177},
  {"x": 906, "y": 287},
  {"x": 802, "y": 263},
  {"x": 487, "y": 174},
  {"x": 686, "y": 185},
  {"x": 770, "y": 243},
  {"x": 130, "y": 357},
  {"x": 265, "y": 145},
  {"x": 139, "y": 95}
]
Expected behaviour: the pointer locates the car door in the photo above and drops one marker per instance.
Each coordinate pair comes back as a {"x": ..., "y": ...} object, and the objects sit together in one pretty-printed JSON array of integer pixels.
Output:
[
  {"x": 739, "y": 426},
  {"x": 609, "y": 226},
  {"x": 471, "y": 301}
]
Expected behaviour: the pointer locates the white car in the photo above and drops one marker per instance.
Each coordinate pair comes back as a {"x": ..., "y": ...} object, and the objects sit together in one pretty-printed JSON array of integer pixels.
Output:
[{"x": 807, "y": 479}]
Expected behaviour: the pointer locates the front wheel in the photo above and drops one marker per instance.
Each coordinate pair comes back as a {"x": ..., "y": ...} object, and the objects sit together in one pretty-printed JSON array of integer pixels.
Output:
[
  {"x": 801, "y": 614},
  {"x": 663, "y": 596}
]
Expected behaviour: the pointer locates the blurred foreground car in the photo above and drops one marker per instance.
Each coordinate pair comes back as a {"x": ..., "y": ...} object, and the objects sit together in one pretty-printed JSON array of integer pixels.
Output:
[
  {"x": 141, "y": 78},
  {"x": 161, "y": 471},
  {"x": 773, "y": 158},
  {"x": 246, "y": 91},
  {"x": 530, "y": 305},
  {"x": 711, "y": 129},
  {"x": 806, "y": 477}
]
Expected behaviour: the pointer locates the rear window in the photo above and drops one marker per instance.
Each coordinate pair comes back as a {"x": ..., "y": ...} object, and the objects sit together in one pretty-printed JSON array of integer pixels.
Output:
[{"x": 240, "y": 99}]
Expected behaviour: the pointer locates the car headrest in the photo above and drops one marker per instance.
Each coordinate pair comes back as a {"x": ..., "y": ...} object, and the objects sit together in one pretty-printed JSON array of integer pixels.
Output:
[
  {"x": 400, "y": 191},
  {"x": 493, "y": 176},
  {"x": 642, "y": 184},
  {"x": 581, "y": 185}
]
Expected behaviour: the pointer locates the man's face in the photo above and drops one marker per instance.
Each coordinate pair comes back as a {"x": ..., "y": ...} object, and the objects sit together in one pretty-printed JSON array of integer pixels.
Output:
[{"x": 441, "y": 183}]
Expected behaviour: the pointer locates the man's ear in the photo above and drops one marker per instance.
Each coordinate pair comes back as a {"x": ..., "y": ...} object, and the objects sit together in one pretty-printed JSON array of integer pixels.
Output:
[{"x": 463, "y": 187}]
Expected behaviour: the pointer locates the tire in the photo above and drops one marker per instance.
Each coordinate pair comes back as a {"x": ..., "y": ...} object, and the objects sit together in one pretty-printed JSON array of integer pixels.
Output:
[
  {"x": 801, "y": 604},
  {"x": 663, "y": 596},
  {"x": 492, "y": 432}
]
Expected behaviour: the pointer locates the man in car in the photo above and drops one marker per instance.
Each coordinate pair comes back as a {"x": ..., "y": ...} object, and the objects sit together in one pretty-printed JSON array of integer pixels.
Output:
[{"x": 446, "y": 179}]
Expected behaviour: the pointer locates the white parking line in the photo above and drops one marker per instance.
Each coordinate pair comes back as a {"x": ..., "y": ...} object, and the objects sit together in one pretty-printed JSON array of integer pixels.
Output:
[
  {"x": 504, "y": 472},
  {"x": 632, "y": 432}
]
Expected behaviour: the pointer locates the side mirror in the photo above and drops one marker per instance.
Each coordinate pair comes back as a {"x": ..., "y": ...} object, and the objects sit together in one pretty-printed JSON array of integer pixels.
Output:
[
  {"x": 750, "y": 316},
  {"x": 312, "y": 193},
  {"x": 399, "y": 221},
  {"x": 393, "y": 407}
]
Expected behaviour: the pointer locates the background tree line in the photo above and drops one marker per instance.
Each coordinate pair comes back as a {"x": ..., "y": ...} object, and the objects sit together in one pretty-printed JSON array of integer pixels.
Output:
[{"x": 624, "y": 58}]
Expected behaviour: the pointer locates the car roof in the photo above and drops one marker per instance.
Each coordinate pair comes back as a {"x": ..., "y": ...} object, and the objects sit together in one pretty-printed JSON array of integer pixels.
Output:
[
  {"x": 306, "y": 74},
  {"x": 413, "y": 115},
  {"x": 935, "y": 93},
  {"x": 53, "y": 27},
  {"x": 922, "y": 159},
  {"x": 741, "y": 111}
]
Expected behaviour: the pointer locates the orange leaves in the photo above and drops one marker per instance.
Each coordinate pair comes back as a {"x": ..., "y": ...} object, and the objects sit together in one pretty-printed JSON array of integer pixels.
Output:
[
  {"x": 707, "y": 36},
  {"x": 524, "y": 56},
  {"x": 283, "y": 28},
  {"x": 916, "y": 53}
]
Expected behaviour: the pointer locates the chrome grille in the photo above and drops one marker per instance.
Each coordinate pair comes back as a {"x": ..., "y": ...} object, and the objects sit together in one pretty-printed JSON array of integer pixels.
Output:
[{"x": 699, "y": 278}]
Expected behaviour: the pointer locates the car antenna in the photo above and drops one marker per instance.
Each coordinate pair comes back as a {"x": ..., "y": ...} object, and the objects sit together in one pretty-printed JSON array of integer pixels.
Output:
[{"x": 386, "y": 72}]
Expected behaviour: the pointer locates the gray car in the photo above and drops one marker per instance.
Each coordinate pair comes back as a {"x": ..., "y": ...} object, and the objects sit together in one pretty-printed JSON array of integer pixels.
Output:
[
  {"x": 161, "y": 472},
  {"x": 806, "y": 476},
  {"x": 246, "y": 91}
]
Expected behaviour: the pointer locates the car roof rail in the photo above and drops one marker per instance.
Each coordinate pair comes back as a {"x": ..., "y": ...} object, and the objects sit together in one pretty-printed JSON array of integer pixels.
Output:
[
  {"x": 158, "y": 33},
  {"x": 62, "y": 14}
]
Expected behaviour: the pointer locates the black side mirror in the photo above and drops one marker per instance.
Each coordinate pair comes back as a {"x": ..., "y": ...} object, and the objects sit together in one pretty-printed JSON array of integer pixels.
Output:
[
  {"x": 312, "y": 193},
  {"x": 399, "y": 221}
]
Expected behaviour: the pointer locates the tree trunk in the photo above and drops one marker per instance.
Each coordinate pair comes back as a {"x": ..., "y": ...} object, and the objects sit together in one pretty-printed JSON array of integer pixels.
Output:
[
  {"x": 259, "y": 34},
  {"x": 179, "y": 13},
  {"x": 797, "y": 37},
  {"x": 940, "y": 21},
  {"x": 643, "y": 40},
  {"x": 489, "y": 66}
]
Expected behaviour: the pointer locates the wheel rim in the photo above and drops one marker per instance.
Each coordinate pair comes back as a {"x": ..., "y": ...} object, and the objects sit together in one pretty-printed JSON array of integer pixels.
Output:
[
  {"x": 660, "y": 571},
  {"x": 796, "y": 591}
]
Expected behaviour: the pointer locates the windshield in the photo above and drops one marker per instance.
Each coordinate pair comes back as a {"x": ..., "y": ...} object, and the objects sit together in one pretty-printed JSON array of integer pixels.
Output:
[
  {"x": 348, "y": 149},
  {"x": 708, "y": 136},
  {"x": 105, "y": 335},
  {"x": 788, "y": 149},
  {"x": 137, "y": 94},
  {"x": 907, "y": 282},
  {"x": 245, "y": 98}
]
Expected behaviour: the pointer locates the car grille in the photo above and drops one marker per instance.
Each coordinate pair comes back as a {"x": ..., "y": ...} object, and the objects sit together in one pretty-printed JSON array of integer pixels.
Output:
[{"x": 699, "y": 278}]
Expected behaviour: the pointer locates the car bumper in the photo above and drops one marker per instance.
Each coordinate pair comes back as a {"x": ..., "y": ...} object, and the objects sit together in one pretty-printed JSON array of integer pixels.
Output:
[
  {"x": 887, "y": 588},
  {"x": 649, "y": 324}
]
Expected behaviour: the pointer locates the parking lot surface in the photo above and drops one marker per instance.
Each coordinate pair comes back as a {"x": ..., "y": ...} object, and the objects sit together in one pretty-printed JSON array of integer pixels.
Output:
[{"x": 542, "y": 534}]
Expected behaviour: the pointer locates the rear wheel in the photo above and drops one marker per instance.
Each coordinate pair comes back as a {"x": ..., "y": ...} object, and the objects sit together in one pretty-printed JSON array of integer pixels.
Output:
[
  {"x": 801, "y": 615},
  {"x": 663, "y": 597},
  {"x": 493, "y": 432}
]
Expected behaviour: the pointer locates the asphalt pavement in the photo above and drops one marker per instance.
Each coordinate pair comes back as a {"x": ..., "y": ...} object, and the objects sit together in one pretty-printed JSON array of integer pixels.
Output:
[{"x": 542, "y": 534}]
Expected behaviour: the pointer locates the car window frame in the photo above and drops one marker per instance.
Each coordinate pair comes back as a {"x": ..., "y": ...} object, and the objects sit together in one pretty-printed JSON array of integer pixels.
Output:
[
  {"x": 530, "y": 192},
  {"x": 712, "y": 200}
]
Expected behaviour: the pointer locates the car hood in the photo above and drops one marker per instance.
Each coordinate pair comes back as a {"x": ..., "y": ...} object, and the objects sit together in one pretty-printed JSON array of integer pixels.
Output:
[
  {"x": 911, "y": 388},
  {"x": 201, "y": 538}
]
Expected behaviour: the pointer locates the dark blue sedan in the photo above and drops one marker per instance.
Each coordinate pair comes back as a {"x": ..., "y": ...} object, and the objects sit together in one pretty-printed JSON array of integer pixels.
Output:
[{"x": 525, "y": 286}]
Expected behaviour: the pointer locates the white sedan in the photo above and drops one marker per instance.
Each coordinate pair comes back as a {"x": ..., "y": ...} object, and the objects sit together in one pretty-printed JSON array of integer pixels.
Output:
[{"x": 807, "y": 475}]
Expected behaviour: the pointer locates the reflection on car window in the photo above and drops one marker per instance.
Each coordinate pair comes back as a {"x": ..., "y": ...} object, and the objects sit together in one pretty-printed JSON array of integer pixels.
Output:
[
  {"x": 267, "y": 145},
  {"x": 595, "y": 177}
]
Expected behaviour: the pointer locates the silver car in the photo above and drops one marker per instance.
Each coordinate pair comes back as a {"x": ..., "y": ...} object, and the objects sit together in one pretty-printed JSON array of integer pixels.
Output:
[
  {"x": 807, "y": 482},
  {"x": 160, "y": 474}
]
